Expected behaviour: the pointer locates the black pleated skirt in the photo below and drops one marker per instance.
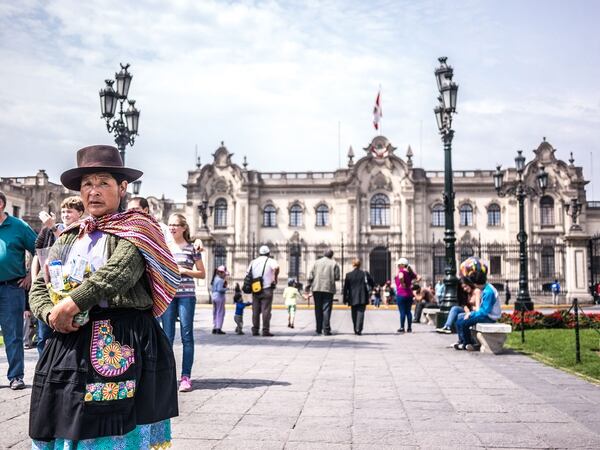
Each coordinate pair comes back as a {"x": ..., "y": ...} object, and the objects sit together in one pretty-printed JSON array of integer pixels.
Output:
[{"x": 114, "y": 373}]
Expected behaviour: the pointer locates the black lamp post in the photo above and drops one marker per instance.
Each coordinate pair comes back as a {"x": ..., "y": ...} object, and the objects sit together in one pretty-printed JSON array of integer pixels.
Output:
[
  {"x": 521, "y": 191},
  {"x": 443, "y": 115},
  {"x": 125, "y": 127},
  {"x": 573, "y": 209},
  {"x": 205, "y": 211},
  {"x": 137, "y": 184}
]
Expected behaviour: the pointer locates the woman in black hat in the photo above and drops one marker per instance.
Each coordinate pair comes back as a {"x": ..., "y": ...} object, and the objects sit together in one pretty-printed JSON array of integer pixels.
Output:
[{"x": 109, "y": 382}]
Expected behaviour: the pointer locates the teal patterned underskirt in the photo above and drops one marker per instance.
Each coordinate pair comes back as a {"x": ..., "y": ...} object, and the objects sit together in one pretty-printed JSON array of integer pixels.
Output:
[{"x": 154, "y": 436}]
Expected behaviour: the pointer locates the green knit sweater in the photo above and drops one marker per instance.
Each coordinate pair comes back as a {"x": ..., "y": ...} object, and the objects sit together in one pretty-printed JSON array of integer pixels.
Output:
[{"x": 121, "y": 281}]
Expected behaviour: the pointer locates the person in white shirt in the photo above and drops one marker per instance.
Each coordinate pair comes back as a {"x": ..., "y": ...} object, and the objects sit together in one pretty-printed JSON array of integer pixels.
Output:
[{"x": 266, "y": 267}]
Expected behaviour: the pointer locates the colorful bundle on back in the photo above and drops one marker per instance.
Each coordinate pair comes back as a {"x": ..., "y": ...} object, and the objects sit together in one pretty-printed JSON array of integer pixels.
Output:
[
  {"x": 473, "y": 271},
  {"x": 143, "y": 231}
]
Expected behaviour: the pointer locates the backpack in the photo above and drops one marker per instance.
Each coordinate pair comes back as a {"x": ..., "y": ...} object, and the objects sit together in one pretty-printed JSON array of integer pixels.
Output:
[{"x": 254, "y": 285}]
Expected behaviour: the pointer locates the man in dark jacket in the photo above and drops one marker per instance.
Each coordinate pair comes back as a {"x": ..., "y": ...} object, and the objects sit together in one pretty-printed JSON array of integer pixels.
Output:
[{"x": 357, "y": 285}]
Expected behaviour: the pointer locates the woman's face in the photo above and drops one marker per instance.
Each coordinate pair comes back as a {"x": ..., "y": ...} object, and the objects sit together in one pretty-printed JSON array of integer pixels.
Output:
[
  {"x": 101, "y": 194},
  {"x": 176, "y": 227}
]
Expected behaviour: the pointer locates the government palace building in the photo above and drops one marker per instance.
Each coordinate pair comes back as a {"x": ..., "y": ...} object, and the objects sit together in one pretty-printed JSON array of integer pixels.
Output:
[{"x": 378, "y": 208}]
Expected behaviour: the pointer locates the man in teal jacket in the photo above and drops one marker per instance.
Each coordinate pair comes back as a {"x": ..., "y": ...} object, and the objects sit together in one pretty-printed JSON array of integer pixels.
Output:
[{"x": 16, "y": 237}]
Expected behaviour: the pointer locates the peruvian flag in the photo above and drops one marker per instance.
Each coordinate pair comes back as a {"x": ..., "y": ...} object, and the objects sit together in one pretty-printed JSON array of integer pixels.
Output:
[{"x": 377, "y": 114}]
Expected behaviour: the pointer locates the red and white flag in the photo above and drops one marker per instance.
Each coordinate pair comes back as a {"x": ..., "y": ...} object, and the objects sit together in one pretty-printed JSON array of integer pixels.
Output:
[{"x": 377, "y": 113}]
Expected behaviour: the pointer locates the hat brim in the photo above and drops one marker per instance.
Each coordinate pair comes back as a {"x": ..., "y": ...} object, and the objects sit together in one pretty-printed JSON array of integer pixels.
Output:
[{"x": 71, "y": 179}]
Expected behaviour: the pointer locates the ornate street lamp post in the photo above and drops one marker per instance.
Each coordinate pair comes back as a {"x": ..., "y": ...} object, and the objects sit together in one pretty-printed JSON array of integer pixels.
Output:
[
  {"x": 205, "y": 211},
  {"x": 137, "y": 184},
  {"x": 521, "y": 191},
  {"x": 125, "y": 127},
  {"x": 443, "y": 114},
  {"x": 573, "y": 210}
]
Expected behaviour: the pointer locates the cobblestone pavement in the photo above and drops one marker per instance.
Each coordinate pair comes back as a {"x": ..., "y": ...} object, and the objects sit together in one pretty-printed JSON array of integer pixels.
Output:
[{"x": 380, "y": 390}]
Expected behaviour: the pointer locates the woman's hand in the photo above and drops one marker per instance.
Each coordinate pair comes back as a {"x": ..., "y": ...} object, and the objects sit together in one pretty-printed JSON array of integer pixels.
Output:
[{"x": 61, "y": 316}]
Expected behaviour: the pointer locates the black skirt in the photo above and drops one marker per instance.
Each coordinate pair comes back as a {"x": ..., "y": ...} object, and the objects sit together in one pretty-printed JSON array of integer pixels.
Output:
[{"x": 114, "y": 373}]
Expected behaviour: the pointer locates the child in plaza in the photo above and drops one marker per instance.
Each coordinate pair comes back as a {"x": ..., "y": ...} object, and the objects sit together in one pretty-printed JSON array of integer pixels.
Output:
[
  {"x": 238, "y": 317},
  {"x": 291, "y": 295}
]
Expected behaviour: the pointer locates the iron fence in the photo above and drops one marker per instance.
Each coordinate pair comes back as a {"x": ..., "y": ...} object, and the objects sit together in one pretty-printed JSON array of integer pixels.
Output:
[{"x": 546, "y": 262}]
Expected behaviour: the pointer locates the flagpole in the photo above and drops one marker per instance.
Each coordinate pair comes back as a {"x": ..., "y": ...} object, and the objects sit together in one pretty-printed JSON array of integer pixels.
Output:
[{"x": 380, "y": 115}]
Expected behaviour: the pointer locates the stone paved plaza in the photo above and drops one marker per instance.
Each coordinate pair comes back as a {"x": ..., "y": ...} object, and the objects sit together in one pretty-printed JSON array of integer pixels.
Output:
[{"x": 377, "y": 391}]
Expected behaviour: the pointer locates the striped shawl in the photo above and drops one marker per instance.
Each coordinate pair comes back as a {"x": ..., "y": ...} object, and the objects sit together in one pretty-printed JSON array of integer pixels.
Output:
[{"x": 143, "y": 231}]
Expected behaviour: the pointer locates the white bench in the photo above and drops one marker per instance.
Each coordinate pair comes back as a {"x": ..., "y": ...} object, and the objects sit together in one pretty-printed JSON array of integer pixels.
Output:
[
  {"x": 491, "y": 336},
  {"x": 429, "y": 314}
]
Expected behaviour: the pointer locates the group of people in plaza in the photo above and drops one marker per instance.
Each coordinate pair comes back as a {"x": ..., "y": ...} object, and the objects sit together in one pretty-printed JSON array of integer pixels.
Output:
[{"x": 108, "y": 289}]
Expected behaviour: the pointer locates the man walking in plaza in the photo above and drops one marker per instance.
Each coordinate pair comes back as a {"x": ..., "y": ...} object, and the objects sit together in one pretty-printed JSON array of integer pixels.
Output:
[
  {"x": 267, "y": 269},
  {"x": 16, "y": 237},
  {"x": 322, "y": 280}
]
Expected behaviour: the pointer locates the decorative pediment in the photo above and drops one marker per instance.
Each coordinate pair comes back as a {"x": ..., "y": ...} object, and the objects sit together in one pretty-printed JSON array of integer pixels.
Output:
[
  {"x": 545, "y": 152},
  {"x": 222, "y": 157},
  {"x": 380, "y": 148},
  {"x": 297, "y": 202},
  {"x": 222, "y": 186},
  {"x": 380, "y": 182}
]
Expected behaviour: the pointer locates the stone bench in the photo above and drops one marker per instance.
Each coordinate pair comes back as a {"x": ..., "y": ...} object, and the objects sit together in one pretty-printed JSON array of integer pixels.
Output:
[
  {"x": 430, "y": 314},
  {"x": 491, "y": 336}
]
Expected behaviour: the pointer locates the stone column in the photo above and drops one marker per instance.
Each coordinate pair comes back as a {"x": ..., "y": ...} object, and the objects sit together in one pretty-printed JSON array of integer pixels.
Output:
[{"x": 576, "y": 273}]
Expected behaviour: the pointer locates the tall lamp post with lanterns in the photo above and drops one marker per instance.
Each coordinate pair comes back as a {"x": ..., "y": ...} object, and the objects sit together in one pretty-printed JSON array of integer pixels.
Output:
[
  {"x": 521, "y": 191},
  {"x": 137, "y": 184},
  {"x": 573, "y": 210},
  {"x": 443, "y": 113},
  {"x": 125, "y": 126},
  {"x": 205, "y": 211}
]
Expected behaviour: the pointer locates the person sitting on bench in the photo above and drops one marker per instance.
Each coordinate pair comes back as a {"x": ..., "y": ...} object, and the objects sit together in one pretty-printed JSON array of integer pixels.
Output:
[
  {"x": 473, "y": 272},
  {"x": 423, "y": 299},
  {"x": 468, "y": 299}
]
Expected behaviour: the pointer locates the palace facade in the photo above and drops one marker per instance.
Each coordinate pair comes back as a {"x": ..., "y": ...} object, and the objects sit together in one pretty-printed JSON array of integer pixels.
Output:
[{"x": 381, "y": 207}]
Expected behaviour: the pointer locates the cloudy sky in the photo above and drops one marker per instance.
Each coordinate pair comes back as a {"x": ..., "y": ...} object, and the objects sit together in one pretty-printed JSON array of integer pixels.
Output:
[{"x": 277, "y": 80}]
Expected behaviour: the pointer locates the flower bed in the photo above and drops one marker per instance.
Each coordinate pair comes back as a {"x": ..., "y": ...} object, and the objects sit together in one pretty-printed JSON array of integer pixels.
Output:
[{"x": 558, "y": 319}]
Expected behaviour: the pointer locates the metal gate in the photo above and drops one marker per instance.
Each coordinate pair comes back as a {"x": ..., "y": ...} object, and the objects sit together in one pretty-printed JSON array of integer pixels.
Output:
[{"x": 379, "y": 265}]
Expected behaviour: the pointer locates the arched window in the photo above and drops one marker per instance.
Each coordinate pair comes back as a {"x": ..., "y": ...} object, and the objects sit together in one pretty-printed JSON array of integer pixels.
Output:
[
  {"x": 547, "y": 211},
  {"x": 295, "y": 255},
  {"x": 322, "y": 216},
  {"x": 548, "y": 261},
  {"x": 493, "y": 215},
  {"x": 296, "y": 215},
  {"x": 220, "y": 255},
  {"x": 466, "y": 215},
  {"x": 269, "y": 216},
  {"x": 380, "y": 211},
  {"x": 221, "y": 213},
  {"x": 438, "y": 215}
]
